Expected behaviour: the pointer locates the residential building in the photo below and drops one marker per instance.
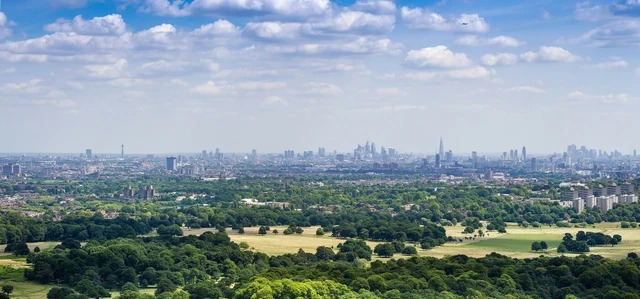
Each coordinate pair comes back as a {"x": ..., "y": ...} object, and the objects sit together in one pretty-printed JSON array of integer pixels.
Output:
[
  {"x": 571, "y": 194},
  {"x": 172, "y": 164},
  {"x": 146, "y": 192},
  {"x": 585, "y": 192},
  {"x": 128, "y": 192},
  {"x": 578, "y": 205}
]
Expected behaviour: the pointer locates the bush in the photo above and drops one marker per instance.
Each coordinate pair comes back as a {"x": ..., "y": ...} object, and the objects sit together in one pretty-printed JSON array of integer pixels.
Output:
[
  {"x": 624, "y": 224},
  {"x": 409, "y": 250}
]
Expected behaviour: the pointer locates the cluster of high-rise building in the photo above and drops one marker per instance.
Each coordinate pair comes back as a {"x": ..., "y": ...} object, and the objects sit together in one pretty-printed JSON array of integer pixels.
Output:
[
  {"x": 146, "y": 192},
  {"x": 602, "y": 197},
  {"x": 11, "y": 169}
]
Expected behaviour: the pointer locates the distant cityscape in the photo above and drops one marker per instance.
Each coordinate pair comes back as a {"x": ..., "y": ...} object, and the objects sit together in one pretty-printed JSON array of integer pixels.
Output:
[{"x": 369, "y": 157}]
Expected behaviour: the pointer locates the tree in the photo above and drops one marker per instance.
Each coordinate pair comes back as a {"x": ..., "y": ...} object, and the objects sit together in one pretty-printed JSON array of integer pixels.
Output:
[
  {"x": 7, "y": 289},
  {"x": 319, "y": 232},
  {"x": 617, "y": 238},
  {"x": 59, "y": 293},
  {"x": 165, "y": 285},
  {"x": 275, "y": 231},
  {"x": 409, "y": 250},
  {"x": 632, "y": 255},
  {"x": 241, "y": 230},
  {"x": 20, "y": 248},
  {"x": 169, "y": 231},
  {"x": 129, "y": 287},
  {"x": 203, "y": 290},
  {"x": 299, "y": 230},
  {"x": 37, "y": 249},
  {"x": 324, "y": 253},
  {"x": 244, "y": 245},
  {"x": 385, "y": 250},
  {"x": 263, "y": 231},
  {"x": 535, "y": 246},
  {"x": 91, "y": 289},
  {"x": 71, "y": 244},
  {"x": 567, "y": 237},
  {"x": 468, "y": 230},
  {"x": 543, "y": 245},
  {"x": 562, "y": 248}
]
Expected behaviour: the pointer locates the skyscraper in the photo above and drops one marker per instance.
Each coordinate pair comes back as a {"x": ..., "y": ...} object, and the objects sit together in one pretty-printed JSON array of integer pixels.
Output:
[
  {"x": 438, "y": 163},
  {"x": 172, "y": 164},
  {"x": 122, "y": 152},
  {"x": 524, "y": 153},
  {"x": 534, "y": 164},
  {"x": 441, "y": 151},
  {"x": 88, "y": 153},
  {"x": 204, "y": 154}
]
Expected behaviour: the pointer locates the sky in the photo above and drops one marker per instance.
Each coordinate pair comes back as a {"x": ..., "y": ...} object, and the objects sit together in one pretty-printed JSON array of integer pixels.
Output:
[{"x": 163, "y": 76}]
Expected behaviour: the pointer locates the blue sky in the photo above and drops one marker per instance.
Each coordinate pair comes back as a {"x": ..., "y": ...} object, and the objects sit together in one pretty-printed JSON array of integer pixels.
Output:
[{"x": 181, "y": 76}]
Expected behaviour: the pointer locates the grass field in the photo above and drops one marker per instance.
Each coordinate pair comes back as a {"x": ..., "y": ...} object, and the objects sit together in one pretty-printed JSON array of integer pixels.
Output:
[{"x": 515, "y": 243}]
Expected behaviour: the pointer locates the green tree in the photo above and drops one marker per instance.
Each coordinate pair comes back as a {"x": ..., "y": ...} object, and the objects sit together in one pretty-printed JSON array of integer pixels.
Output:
[
  {"x": 543, "y": 245},
  {"x": 535, "y": 246},
  {"x": 91, "y": 289},
  {"x": 7, "y": 289},
  {"x": 385, "y": 250},
  {"x": 409, "y": 250},
  {"x": 129, "y": 287},
  {"x": 165, "y": 285},
  {"x": 319, "y": 232},
  {"x": 263, "y": 231},
  {"x": 562, "y": 248}
]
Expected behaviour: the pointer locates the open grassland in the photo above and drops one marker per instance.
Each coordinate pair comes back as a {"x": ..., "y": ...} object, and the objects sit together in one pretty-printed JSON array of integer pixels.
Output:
[{"x": 515, "y": 243}]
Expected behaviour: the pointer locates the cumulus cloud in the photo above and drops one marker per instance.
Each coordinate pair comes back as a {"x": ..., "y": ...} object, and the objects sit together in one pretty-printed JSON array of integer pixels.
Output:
[
  {"x": 171, "y": 67},
  {"x": 475, "y": 41},
  {"x": 618, "y": 33},
  {"x": 527, "y": 89},
  {"x": 319, "y": 88},
  {"x": 476, "y": 72},
  {"x": 32, "y": 86},
  {"x": 439, "y": 57},
  {"x": 499, "y": 59},
  {"x": 4, "y": 26},
  {"x": 362, "y": 45},
  {"x": 549, "y": 54},
  {"x": 217, "y": 29},
  {"x": 375, "y": 6},
  {"x": 66, "y": 103},
  {"x": 107, "y": 71},
  {"x": 421, "y": 76},
  {"x": 69, "y": 3},
  {"x": 108, "y": 25},
  {"x": 612, "y": 63},
  {"x": 288, "y": 8},
  {"x": 260, "y": 85},
  {"x": 209, "y": 88},
  {"x": 274, "y": 100},
  {"x": 419, "y": 18},
  {"x": 605, "y": 99}
]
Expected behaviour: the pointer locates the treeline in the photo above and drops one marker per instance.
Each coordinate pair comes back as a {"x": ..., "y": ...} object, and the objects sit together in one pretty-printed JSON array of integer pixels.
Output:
[{"x": 584, "y": 240}]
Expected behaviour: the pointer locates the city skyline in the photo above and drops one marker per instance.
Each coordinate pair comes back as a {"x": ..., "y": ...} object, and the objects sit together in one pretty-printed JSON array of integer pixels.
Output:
[{"x": 183, "y": 75}]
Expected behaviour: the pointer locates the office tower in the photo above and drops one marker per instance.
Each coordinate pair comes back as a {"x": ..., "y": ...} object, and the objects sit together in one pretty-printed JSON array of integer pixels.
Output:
[
  {"x": 383, "y": 151},
  {"x": 585, "y": 193},
  {"x": 511, "y": 156},
  {"x": 524, "y": 153},
  {"x": 15, "y": 169},
  {"x": 128, "y": 192},
  {"x": 180, "y": 159},
  {"x": 340, "y": 157},
  {"x": 578, "y": 205},
  {"x": 634, "y": 153},
  {"x": 571, "y": 194},
  {"x": 489, "y": 174},
  {"x": 438, "y": 165},
  {"x": 172, "y": 164},
  {"x": 515, "y": 154},
  {"x": 367, "y": 148},
  {"x": 534, "y": 164},
  {"x": 373, "y": 148},
  {"x": 204, "y": 154},
  {"x": 254, "y": 153},
  {"x": 146, "y": 192},
  {"x": 590, "y": 201},
  {"x": 449, "y": 156},
  {"x": 392, "y": 152},
  {"x": 88, "y": 153},
  {"x": 11, "y": 169},
  {"x": 614, "y": 190},
  {"x": 474, "y": 156},
  {"x": 441, "y": 151},
  {"x": 122, "y": 151},
  {"x": 322, "y": 152},
  {"x": 605, "y": 203}
]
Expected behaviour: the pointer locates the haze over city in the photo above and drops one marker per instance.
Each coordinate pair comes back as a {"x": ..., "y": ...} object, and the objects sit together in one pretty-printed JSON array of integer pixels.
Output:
[{"x": 178, "y": 76}]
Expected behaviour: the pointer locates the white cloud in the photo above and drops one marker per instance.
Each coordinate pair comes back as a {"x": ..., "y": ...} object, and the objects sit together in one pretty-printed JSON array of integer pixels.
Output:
[
  {"x": 499, "y": 59},
  {"x": 617, "y": 33},
  {"x": 10, "y": 70},
  {"x": 107, "y": 71},
  {"x": 529, "y": 89},
  {"x": 4, "y": 26},
  {"x": 276, "y": 30},
  {"x": 596, "y": 13},
  {"x": 438, "y": 56},
  {"x": 418, "y": 18},
  {"x": 475, "y": 41},
  {"x": 358, "y": 21},
  {"x": 69, "y": 3},
  {"x": 549, "y": 54},
  {"x": 217, "y": 28},
  {"x": 179, "y": 82},
  {"x": 66, "y": 103},
  {"x": 375, "y": 6},
  {"x": 75, "y": 84},
  {"x": 612, "y": 63},
  {"x": 209, "y": 88},
  {"x": 362, "y": 45},
  {"x": 421, "y": 76},
  {"x": 318, "y": 88},
  {"x": 108, "y": 25},
  {"x": 30, "y": 87},
  {"x": 476, "y": 72},
  {"x": 389, "y": 91},
  {"x": 171, "y": 67},
  {"x": 273, "y": 100},
  {"x": 290, "y": 8},
  {"x": 606, "y": 99},
  {"x": 260, "y": 85},
  {"x": 130, "y": 82}
]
